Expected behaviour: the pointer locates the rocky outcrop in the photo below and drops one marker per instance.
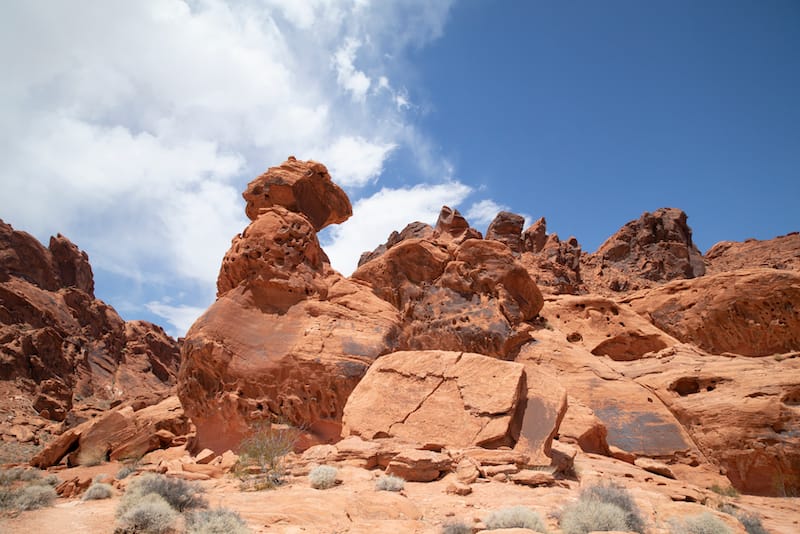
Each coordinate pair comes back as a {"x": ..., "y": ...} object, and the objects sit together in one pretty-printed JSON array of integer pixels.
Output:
[
  {"x": 782, "y": 252},
  {"x": 651, "y": 250},
  {"x": 742, "y": 412},
  {"x": 302, "y": 187},
  {"x": 753, "y": 312},
  {"x": 70, "y": 354},
  {"x": 120, "y": 434},
  {"x": 507, "y": 228},
  {"x": 555, "y": 265},
  {"x": 460, "y": 293},
  {"x": 442, "y": 398},
  {"x": 414, "y": 230},
  {"x": 287, "y": 338}
]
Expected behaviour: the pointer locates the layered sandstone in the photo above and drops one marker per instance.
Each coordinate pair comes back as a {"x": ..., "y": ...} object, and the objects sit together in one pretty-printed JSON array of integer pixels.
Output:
[{"x": 66, "y": 352}]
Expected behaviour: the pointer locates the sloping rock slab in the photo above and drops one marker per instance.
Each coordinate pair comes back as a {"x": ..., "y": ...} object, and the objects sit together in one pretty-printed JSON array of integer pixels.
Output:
[{"x": 447, "y": 398}]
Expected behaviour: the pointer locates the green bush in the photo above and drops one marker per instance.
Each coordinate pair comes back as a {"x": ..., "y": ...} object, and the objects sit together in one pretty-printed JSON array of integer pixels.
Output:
[
  {"x": 515, "y": 517},
  {"x": 179, "y": 494},
  {"x": 148, "y": 514},
  {"x": 98, "y": 490},
  {"x": 33, "y": 497},
  {"x": 588, "y": 515},
  {"x": 456, "y": 528},
  {"x": 620, "y": 497},
  {"x": 261, "y": 456},
  {"x": 217, "y": 521},
  {"x": 699, "y": 524},
  {"x": 390, "y": 483}
]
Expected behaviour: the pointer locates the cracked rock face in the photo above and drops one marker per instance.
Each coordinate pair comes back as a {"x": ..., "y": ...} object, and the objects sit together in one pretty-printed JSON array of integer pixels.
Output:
[{"x": 444, "y": 398}]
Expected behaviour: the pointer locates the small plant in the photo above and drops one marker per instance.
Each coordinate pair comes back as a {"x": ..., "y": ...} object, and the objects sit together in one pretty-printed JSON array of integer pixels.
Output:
[
  {"x": 620, "y": 497},
  {"x": 589, "y": 515},
  {"x": 323, "y": 477},
  {"x": 51, "y": 480},
  {"x": 7, "y": 497},
  {"x": 261, "y": 456},
  {"x": 150, "y": 514},
  {"x": 9, "y": 476},
  {"x": 730, "y": 491},
  {"x": 698, "y": 524},
  {"x": 124, "y": 471},
  {"x": 33, "y": 497},
  {"x": 217, "y": 521},
  {"x": 751, "y": 523},
  {"x": 456, "y": 528},
  {"x": 390, "y": 483},
  {"x": 179, "y": 494},
  {"x": 30, "y": 475},
  {"x": 515, "y": 517},
  {"x": 98, "y": 490}
]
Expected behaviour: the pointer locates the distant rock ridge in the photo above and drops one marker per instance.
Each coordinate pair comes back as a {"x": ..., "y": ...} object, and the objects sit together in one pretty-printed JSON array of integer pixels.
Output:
[{"x": 67, "y": 352}]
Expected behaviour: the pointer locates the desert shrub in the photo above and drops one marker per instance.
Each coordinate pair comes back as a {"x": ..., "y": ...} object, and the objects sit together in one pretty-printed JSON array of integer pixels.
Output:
[
  {"x": 620, "y": 497},
  {"x": 390, "y": 483},
  {"x": 217, "y": 521},
  {"x": 323, "y": 477},
  {"x": 30, "y": 475},
  {"x": 729, "y": 491},
  {"x": 98, "y": 490},
  {"x": 33, "y": 497},
  {"x": 515, "y": 517},
  {"x": 51, "y": 480},
  {"x": 456, "y": 528},
  {"x": 124, "y": 471},
  {"x": 7, "y": 497},
  {"x": 698, "y": 524},
  {"x": 751, "y": 523},
  {"x": 261, "y": 456},
  {"x": 148, "y": 514},
  {"x": 588, "y": 515},
  {"x": 8, "y": 476},
  {"x": 179, "y": 494}
]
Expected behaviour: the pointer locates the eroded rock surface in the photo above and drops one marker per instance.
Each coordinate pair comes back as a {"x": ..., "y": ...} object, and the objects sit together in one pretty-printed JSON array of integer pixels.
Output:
[
  {"x": 653, "y": 249},
  {"x": 753, "y": 312},
  {"x": 66, "y": 352},
  {"x": 439, "y": 397}
]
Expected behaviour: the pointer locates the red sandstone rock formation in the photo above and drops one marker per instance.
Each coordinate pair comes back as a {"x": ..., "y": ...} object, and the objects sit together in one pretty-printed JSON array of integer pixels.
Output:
[
  {"x": 782, "y": 252},
  {"x": 753, "y": 312},
  {"x": 288, "y": 338},
  {"x": 653, "y": 249},
  {"x": 67, "y": 352}
]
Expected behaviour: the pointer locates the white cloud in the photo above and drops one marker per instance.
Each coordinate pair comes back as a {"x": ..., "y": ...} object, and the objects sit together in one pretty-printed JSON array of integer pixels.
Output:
[
  {"x": 350, "y": 78},
  {"x": 483, "y": 212},
  {"x": 132, "y": 127},
  {"x": 354, "y": 161},
  {"x": 180, "y": 317},
  {"x": 375, "y": 217}
]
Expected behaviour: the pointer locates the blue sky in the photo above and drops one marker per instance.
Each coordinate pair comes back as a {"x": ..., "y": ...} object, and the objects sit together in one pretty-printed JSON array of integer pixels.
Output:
[{"x": 133, "y": 127}]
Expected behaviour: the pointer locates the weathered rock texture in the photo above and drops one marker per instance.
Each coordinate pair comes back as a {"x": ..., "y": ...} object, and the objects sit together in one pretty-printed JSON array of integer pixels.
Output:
[
  {"x": 65, "y": 351},
  {"x": 444, "y": 398},
  {"x": 780, "y": 253},
  {"x": 456, "y": 292},
  {"x": 753, "y": 312},
  {"x": 300, "y": 186},
  {"x": 288, "y": 338},
  {"x": 653, "y": 249}
]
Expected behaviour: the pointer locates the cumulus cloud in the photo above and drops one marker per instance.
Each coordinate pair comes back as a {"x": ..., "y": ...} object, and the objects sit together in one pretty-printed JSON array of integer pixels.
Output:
[
  {"x": 181, "y": 317},
  {"x": 132, "y": 127},
  {"x": 375, "y": 217},
  {"x": 482, "y": 212}
]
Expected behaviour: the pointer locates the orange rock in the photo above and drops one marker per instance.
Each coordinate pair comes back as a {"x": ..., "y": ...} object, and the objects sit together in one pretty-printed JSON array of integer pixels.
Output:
[
  {"x": 449, "y": 398},
  {"x": 419, "y": 466},
  {"x": 302, "y": 187},
  {"x": 753, "y": 312},
  {"x": 530, "y": 477},
  {"x": 782, "y": 252},
  {"x": 507, "y": 228}
]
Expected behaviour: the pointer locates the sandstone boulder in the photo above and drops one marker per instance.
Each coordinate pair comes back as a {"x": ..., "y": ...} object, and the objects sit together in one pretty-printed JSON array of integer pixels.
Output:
[
  {"x": 303, "y": 187},
  {"x": 414, "y": 230},
  {"x": 446, "y": 398},
  {"x": 753, "y": 312},
  {"x": 507, "y": 228},
  {"x": 419, "y": 465}
]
